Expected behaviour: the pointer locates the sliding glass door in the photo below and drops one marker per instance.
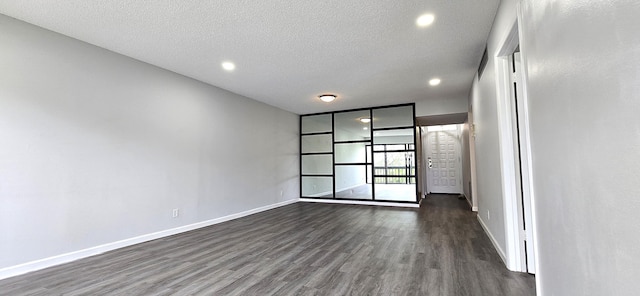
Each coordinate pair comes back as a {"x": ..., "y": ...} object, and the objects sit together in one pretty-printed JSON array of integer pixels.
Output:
[
  {"x": 364, "y": 154},
  {"x": 352, "y": 131},
  {"x": 394, "y": 153}
]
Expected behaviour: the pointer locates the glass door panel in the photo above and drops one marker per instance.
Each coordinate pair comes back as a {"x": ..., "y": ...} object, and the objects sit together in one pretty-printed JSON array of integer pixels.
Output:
[
  {"x": 351, "y": 153},
  {"x": 394, "y": 165},
  {"x": 317, "y": 164},
  {"x": 320, "y": 187},
  {"x": 351, "y": 182},
  {"x": 393, "y": 117},
  {"x": 394, "y": 136},
  {"x": 316, "y": 124},
  {"x": 352, "y": 126},
  {"x": 317, "y": 144}
]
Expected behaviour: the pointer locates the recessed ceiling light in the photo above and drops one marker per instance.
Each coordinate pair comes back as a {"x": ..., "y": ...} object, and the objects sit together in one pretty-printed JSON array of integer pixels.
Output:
[
  {"x": 425, "y": 20},
  {"x": 229, "y": 66},
  {"x": 365, "y": 120},
  {"x": 434, "y": 81},
  {"x": 365, "y": 128},
  {"x": 327, "y": 98}
]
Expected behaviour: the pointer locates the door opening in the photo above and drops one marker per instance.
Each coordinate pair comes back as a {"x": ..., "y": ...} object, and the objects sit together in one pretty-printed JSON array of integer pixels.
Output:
[{"x": 515, "y": 156}]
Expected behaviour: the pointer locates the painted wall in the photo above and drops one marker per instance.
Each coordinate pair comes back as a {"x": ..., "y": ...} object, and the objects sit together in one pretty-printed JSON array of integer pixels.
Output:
[
  {"x": 439, "y": 106},
  {"x": 483, "y": 99},
  {"x": 583, "y": 63},
  {"x": 96, "y": 147}
]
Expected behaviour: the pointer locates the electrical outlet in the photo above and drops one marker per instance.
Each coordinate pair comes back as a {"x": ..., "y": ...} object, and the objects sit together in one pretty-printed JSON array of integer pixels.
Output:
[
  {"x": 281, "y": 193},
  {"x": 488, "y": 215},
  {"x": 176, "y": 213}
]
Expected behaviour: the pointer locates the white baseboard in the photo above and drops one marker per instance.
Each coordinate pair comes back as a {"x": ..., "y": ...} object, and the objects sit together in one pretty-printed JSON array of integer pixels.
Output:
[
  {"x": 366, "y": 203},
  {"x": 501, "y": 252},
  {"x": 72, "y": 256}
]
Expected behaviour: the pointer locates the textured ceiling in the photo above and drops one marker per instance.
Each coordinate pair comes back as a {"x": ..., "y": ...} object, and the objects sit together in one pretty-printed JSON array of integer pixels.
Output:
[{"x": 368, "y": 52}]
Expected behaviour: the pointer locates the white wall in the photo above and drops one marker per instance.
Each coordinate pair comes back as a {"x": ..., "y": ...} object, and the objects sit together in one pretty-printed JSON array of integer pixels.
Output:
[
  {"x": 483, "y": 99},
  {"x": 96, "y": 147},
  {"x": 439, "y": 106},
  {"x": 583, "y": 63}
]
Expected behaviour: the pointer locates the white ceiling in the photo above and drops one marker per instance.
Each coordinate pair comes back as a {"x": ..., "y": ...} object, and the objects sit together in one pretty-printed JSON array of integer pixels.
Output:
[{"x": 287, "y": 52}]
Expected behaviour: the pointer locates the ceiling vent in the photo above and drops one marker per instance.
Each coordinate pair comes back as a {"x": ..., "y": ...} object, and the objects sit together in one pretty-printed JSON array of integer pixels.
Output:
[{"x": 483, "y": 62}]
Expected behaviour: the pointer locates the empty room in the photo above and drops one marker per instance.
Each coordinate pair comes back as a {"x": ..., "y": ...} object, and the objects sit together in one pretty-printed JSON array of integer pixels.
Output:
[{"x": 319, "y": 147}]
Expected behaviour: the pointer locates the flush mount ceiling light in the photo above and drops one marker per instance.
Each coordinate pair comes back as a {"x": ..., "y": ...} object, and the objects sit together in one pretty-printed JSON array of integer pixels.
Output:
[
  {"x": 365, "y": 120},
  {"x": 425, "y": 20},
  {"x": 434, "y": 81},
  {"x": 229, "y": 66},
  {"x": 327, "y": 97}
]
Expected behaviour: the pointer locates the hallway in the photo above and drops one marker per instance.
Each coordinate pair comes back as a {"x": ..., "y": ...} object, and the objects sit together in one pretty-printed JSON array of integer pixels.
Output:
[{"x": 301, "y": 249}]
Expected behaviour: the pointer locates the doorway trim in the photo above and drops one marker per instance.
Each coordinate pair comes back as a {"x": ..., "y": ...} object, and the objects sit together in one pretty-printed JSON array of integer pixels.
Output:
[
  {"x": 528, "y": 191},
  {"x": 513, "y": 207},
  {"x": 458, "y": 157},
  {"x": 473, "y": 188}
]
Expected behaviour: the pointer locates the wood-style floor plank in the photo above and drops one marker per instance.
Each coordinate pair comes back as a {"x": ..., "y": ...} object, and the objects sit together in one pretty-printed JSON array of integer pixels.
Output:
[{"x": 301, "y": 249}]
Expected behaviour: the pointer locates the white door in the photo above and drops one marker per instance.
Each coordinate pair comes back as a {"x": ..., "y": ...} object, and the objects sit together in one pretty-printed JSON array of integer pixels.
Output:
[{"x": 443, "y": 160}]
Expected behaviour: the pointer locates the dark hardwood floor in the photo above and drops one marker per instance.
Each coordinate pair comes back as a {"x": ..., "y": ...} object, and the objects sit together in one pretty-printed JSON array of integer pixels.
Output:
[{"x": 301, "y": 249}]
